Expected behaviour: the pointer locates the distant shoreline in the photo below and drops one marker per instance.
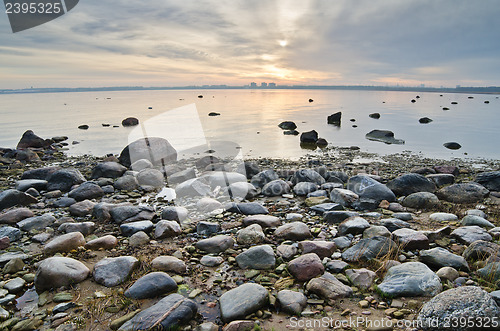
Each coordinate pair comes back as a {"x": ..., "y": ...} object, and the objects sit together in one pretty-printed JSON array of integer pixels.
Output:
[{"x": 476, "y": 90}]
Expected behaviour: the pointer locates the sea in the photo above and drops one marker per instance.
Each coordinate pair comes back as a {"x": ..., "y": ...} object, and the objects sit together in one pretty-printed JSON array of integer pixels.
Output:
[{"x": 248, "y": 120}]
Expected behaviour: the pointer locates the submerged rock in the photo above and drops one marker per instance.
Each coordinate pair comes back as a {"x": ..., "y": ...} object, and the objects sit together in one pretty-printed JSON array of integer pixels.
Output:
[{"x": 384, "y": 136}]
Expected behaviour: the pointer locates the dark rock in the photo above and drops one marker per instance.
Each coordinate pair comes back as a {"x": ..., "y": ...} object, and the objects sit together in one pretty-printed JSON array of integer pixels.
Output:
[
  {"x": 292, "y": 302},
  {"x": 447, "y": 169},
  {"x": 468, "y": 234},
  {"x": 157, "y": 150},
  {"x": 215, "y": 244},
  {"x": 128, "y": 229},
  {"x": 257, "y": 257},
  {"x": 482, "y": 250},
  {"x": 410, "y": 279},
  {"x": 491, "y": 273},
  {"x": 247, "y": 208},
  {"x": 287, "y": 125},
  {"x": 293, "y": 231},
  {"x": 83, "y": 127},
  {"x": 130, "y": 121},
  {"x": 207, "y": 228},
  {"x": 321, "y": 142},
  {"x": 36, "y": 222},
  {"x": 213, "y": 114},
  {"x": 323, "y": 208},
  {"x": 375, "y": 115},
  {"x": 108, "y": 170},
  {"x": 87, "y": 190},
  {"x": 463, "y": 193},
  {"x": 262, "y": 178},
  {"x": 39, "y": 173},
  {"x": 307, "y": 175},
  {"x": 336, "y": 266},
  {"x": 126, "y": 183},
  {"x": 452, "y": 145},
  {"x": 384, "y": 136},
  {"x": 309, "y": 137},
  {"x": 11, "y": 197},
  {"x": 410, "y": 183},
  {"x": 393, "y": 224},
  {"x": 490, "y": 180},
  {"x": 82, "y": 208},
  {"x": 342, "y": 196},
  {"x": 367, "y": 249},
  {"x": 30, "y": 139},
  {"x": 151, "y": 285},
  {"x": 462, "y": 303},
  {"x": 242, "y": 301},
  {"x": 424, "y": 120},
  {"x": 126, "y": 214},
  {"x": 55, "y": 272},
  {"x": 64, "y": 179},
  {"x": 334, "y": 118},
  {"x": 167, "y": 229},
  {"x": 410, "y": 239},
  {"x": 337, "y": 216},
  {"x": 441, "y": 179},
  {"x": 304, "y": 188},
  {"x": 354, "y": 225},
  {"x": 276, "y": 187},
  {"x": 421, "y": 200},
  {"x": 25, "y": 184},
  {"x": 439, "y": 257},
  {"x": 114, "y": 271},
  {"x": 167, "y": 314}
]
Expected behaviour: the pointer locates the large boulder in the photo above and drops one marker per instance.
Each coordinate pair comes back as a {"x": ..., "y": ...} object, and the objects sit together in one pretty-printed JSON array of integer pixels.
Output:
[
  {"x": 64, "y": 179},
  {"x": 490, "y": 180},
  {"x": 59, "y": 271},
  {"x": 466, "y": 303},
  {"x": 242, "y": 301},
  {"x": 157, "y": 150},
  {"x": 410, "y": 279},
  {"x": 367, "y": 187},
  {"x": 30, "y": 139},
  {"x": 309, "y": 137},
  {"x": 167, "y": 314},
  {"x": 411, "y": 183}
]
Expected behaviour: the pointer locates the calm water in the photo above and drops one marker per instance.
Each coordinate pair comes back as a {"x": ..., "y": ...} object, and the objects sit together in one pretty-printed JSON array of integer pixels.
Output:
[{"x": 250, "y": 119}]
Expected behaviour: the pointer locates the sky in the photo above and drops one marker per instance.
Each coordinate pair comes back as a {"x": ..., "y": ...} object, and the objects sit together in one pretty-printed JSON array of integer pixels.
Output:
[{"x": 235, "y": 42}]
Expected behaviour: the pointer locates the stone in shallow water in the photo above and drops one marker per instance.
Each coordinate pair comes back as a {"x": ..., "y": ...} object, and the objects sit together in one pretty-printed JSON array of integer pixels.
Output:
[
  {"x": 410, "y": 279},
  {"x": 167, "y": 314},
  {"x": 242, "y": 301},
  {"x": 114, "y": 271},
  {"x": 461, "y": 303}
]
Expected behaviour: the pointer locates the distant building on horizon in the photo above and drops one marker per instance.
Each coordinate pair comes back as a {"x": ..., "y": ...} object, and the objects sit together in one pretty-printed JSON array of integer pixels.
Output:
[
  {"x": 263, "y": 84},
  {"x": 253, "y": 85},
  {"x": 272, "y": 85}
]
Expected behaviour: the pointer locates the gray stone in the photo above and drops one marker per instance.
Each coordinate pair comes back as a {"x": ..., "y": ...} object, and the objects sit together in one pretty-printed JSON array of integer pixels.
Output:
[
  {"x": 36, "y": 222},
  {"x": 169, "y": 264},
  {"x": 215, "y": 244},
  {"x": 410, "y": 279},
  {"x": 14, "y": 234},
  {"x": 337, "y": 216},
  {"x": 476, "y": 220},
  {"x": 167, "y": 314},
  {"x": 443, "y": 217},
  {"x": 329, "y": 287},
  {"x": 211, "y": 261},
  {"x": 491, "y": 273},
  {"x": 304, "y": 188},
  {"x": 421, "y": 200},
  {"x": 496, "y": 296},
  {"x": 393, "y": 224},
  {"x": 87, "y": 190},
  {"x": 306, "y": 267},
  {"x": 367, "y": 187},
  {"x": 482, "y": 250},
  {"x": 82, "y": 208},
  {"x": 439, "y": 257},
  {"x": 307, "y": 175},
  {"x": 265, "y": 221},
  {"x": 361, "y": 278},
  {"x": 286, "y": 251},
  {"x": 55, "y": 272},
  {"x": 251, "y": 235},
  {"x": 457, "y": 304},
  {"x": 15, "y": 215},
  {"x": 410, "y": 239},
  {"x": 181, "y": 176},
  {"x": 115, "y": 270},
  {"x": 105, "y": 242},
  {"x": 490, "y": 180},
  {"x": 64, "y": 243},
  {"x": 207, "y": 228},
  {"x": 108, "y": 170},
  {"x": 24, "y": 184},
  {"x": 207, "y": 205},
  {"x": 293, "y": 231},
  {"x": 64, "y": 179},
  {"x": 126, "y": 214},
  {"x": 318, "y": 193},
  {"x": 342, "y": 242},
  {"x": 447, "y": 273},
  {"x": 376, "y": 230},
  {"x": 128, "y": 229},
  {"x": 276, "y": 187},
  {"x": 151, "y": 285},
  {"x": 343, "y": 197},
  {"x": 84, "y": 228},
  {"x": 292, "y": 302},
  {"x": 126, "y": 183},
  {"x": 242, "y": 301},
  {"x": 193, "y": 187},
  {"x": 263, "y": 177},
  {"x": 354, "y": 225},
  {"x": 39, "y": 173},
  {"x": 247, "y": 208},
  {"x": 6, "y": 257},
  {"x": 224, "y": 178},
  {"x": 150, "y": 177},
  {"x": 138, "y": 239},
  {"x": 157, "y": 150},
  {"x": 441, "y": 179},
  {"x": 257, "y": 257},
  {"x": 367, "y": 249},
  {"x": 463, "y": 193},
  {"x": 403, "y": 216},
  {"x": 468, "y": 234},
  {"x": 477, "y": 212},
  {"x": 167, "y": 229},
  {"x": 411, "y": 183},
  {"x": 10, "y": 198},
  {"x": 241, "y": 191},
  {"x": 15, "y": 285},
  {"x": 336, "y": 266},
  {"x": 174, "y": 213},
  {"x": 323, "y": 208}
]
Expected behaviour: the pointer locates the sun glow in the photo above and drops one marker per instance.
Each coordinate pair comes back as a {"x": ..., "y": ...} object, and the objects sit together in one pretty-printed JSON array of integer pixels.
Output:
[{"x": 282, "y": 43}]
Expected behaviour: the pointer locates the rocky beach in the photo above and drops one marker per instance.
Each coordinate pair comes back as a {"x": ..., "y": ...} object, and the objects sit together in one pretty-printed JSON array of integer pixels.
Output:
[{"x": 147, "y": 240}]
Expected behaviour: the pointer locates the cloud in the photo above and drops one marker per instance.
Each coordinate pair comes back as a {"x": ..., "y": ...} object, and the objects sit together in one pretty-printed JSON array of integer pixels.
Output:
[{"x": 162, "y": 42}]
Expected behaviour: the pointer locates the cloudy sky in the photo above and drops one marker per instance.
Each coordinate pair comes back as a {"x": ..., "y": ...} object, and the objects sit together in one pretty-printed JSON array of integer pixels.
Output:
[{"x": 186, "y": 42}]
